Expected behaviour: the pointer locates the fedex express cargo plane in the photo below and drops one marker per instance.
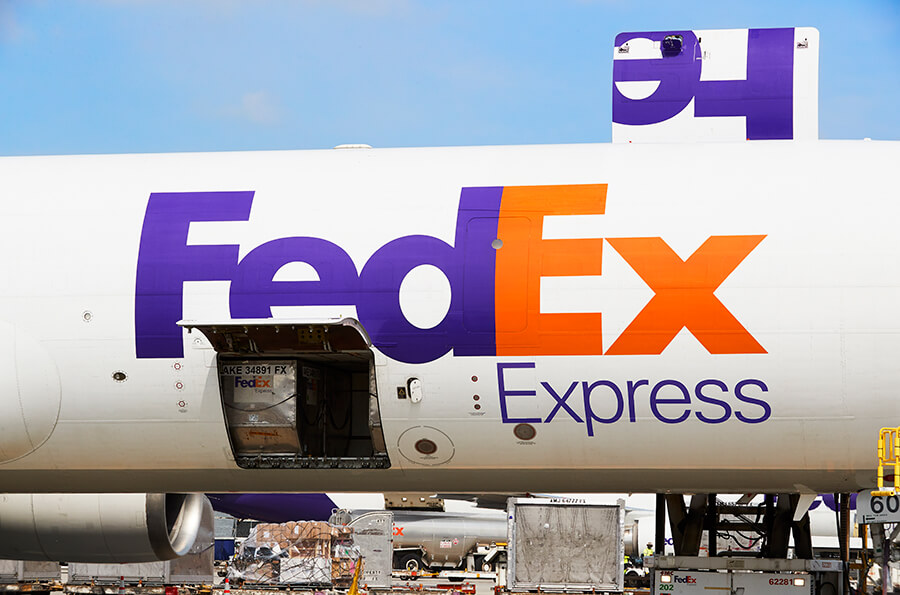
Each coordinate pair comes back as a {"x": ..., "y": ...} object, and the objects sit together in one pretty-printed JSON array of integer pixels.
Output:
[
  {"x": 588, "y": 317},
  {"x": 683, "y": 318}
]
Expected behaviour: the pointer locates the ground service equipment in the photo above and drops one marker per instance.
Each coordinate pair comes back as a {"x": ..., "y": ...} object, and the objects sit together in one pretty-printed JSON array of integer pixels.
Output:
[
  {"x": 557, "y": 545},
  {"x": 684, "y": 575}
]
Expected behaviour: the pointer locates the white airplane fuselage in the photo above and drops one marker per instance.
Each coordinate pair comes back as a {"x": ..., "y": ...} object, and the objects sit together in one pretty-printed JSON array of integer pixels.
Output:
[{"x": 702, "y": 318}]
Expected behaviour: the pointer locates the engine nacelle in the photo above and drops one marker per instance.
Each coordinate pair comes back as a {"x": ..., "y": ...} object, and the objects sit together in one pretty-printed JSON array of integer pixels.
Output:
[{"x": 101, "y": 528}]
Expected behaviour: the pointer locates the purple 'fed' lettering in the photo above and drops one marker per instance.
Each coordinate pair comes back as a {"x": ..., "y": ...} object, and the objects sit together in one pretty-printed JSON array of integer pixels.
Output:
[{"x": 165, "y": 262}]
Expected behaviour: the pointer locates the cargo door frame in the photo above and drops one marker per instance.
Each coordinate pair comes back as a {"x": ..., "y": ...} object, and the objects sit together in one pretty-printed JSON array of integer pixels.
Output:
[{"x": 303, "y": 366}]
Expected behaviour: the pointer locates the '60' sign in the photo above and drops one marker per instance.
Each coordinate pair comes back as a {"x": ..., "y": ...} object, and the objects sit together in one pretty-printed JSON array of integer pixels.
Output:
[{"x": 877, "y": 509}]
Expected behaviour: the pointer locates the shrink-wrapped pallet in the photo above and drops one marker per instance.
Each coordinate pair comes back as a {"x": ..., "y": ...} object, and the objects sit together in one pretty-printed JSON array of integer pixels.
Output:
[
  {"x": 306, "y": 571},
  {"x": 296, "y": 553}
]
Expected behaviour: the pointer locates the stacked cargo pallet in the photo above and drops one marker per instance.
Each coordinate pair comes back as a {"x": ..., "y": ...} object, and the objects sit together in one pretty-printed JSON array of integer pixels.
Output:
[
  {"x": 308, "y": 547},
  {"x": 309, "y": 553}
]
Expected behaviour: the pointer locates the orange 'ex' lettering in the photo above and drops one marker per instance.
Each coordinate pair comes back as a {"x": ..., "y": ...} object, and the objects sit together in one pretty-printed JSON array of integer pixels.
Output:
[{"x": 684, "y": 295}]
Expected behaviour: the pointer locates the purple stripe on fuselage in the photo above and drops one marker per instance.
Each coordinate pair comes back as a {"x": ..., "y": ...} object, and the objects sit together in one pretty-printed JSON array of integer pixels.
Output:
[
  {"x": 831, "y": 502},
  {"x": 274, "y": 508}
]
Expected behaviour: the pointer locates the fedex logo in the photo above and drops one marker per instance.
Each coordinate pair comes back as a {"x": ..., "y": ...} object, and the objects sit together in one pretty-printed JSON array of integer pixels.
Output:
[
  {"x": 255, "y": 382},
  {"x": 689, "y": 580},
  {"x": 495, "y": 291}
]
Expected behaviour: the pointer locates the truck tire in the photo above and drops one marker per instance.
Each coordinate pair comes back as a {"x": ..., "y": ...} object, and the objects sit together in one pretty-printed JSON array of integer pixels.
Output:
[{"x": 411, "y": 562}]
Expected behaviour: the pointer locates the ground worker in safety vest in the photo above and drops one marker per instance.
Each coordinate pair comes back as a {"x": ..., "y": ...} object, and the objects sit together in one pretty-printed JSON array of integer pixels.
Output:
[{"x": 648, "y": 551}]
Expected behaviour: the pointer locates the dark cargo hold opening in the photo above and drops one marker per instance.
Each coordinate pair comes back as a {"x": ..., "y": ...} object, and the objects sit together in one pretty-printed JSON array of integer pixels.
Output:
[{"x": 297, "y": 394}]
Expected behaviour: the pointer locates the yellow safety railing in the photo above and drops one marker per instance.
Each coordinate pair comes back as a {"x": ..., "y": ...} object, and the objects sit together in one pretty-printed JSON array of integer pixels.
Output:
[{"x": 888, "y": 454}]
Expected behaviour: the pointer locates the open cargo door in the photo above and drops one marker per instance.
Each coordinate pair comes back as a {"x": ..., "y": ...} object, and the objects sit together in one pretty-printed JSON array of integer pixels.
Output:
[{"x": 298, "y": 393}]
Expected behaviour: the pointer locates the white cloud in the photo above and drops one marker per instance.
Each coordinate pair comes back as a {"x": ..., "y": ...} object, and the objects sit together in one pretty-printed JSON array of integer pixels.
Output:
[{"x": 257, "y": 107}]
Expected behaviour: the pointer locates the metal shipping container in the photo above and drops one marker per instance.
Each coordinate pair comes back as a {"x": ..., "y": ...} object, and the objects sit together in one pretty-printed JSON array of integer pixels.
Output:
[
  {"x": 35, "y": 570},
  {"x": 14, "y": 571},
  {"x": 152, "y": 573},
  {"x": 556, "y": 545},
  {"x": 373, "y": 535},
  {"x": 261, "y": 405},
  {"x": 9, "y": 571}
]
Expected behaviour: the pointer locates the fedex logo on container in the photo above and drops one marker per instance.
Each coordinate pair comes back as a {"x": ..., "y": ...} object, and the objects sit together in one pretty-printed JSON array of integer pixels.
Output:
[
  {"x": 254, "y": 382},
  {"x": 495, "y": 293}
]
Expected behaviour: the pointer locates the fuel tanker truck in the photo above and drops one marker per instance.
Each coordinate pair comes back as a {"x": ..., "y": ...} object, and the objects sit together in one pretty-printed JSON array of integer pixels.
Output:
[{"x": 472, "y": 541}]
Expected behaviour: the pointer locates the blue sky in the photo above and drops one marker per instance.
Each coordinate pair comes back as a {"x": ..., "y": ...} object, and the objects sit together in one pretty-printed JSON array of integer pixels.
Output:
[{"x": 113, "y": 76}]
